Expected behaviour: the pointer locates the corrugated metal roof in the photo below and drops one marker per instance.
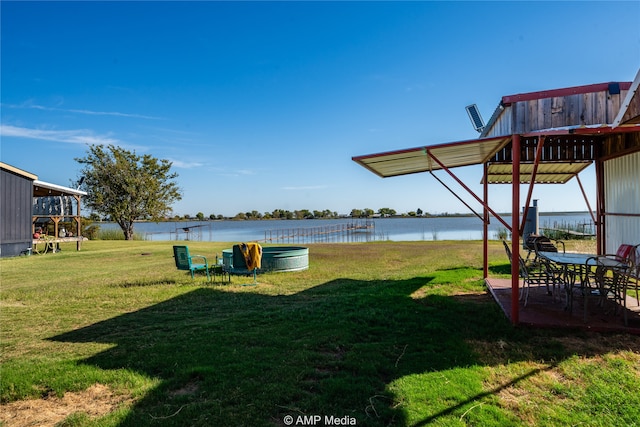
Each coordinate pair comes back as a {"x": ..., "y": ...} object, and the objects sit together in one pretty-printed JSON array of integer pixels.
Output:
[
  {"x": 466, "y": 153},
  {"x": 547, "y": 173},
  {"x": 42, "y": 189},
  {"x": 434, "y": 157}
]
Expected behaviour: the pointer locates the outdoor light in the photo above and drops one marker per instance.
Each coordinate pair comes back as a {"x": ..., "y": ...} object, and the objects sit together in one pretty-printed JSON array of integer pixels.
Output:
[{"x": 474, "y": 115}]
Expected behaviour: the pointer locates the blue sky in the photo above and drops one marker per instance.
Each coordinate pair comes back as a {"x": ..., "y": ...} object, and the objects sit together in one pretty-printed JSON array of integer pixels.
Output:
[{"x": 261, "y": 105}]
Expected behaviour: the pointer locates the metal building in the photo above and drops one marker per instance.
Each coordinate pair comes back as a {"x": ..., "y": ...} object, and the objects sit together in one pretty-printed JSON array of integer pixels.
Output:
[
  {"x": 16, "y": 199},
  {"x": 27, "y": 203}
]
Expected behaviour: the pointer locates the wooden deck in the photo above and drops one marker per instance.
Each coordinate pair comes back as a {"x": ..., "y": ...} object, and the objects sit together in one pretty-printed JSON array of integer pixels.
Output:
[{"x": 543, "y": 312}]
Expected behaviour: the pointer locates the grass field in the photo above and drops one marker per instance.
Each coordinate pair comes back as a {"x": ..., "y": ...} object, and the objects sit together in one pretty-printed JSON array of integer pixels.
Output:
[{"x": 373, "y": 334}]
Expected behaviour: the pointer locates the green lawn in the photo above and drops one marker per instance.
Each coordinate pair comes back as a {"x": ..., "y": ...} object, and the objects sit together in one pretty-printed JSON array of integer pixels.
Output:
[{"x": 376, "y": 334}]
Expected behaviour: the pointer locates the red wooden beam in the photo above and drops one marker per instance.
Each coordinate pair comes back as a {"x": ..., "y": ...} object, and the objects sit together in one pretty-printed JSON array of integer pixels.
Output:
[
  {"x": 462, "y": 184},
  {"x": 584, "y": 194},
  {"x": 575, "y": 90},
  {"x": 534, "y": 172}
]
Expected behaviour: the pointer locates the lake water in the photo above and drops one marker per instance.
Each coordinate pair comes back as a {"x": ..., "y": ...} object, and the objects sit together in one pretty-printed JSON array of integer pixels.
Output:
[{"x": 339, "y": 230}]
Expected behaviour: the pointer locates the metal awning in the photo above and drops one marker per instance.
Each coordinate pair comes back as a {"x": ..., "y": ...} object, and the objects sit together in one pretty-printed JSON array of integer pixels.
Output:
[
  {"x": 434, "y": 157},
  {"x": 547, "y": 173},
  {"x": 43, "y": 189},
  {"x": 480, "y": 151}
]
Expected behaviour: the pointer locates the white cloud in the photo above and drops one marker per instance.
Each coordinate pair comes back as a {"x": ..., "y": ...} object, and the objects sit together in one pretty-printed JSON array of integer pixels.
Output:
[
  {"x": 80, "y": 111},
  {"x": 185, "y": 165},
  {"x": 77, "y": 136}
]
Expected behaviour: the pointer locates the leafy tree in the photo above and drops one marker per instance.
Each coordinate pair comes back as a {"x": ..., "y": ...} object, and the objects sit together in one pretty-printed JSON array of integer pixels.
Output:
[
  {"x": 303, "y": 214},
  {"x": 387, "y": 211},
  {"x": 127, "y": 187},
  {"x": 200, "y": 216}
]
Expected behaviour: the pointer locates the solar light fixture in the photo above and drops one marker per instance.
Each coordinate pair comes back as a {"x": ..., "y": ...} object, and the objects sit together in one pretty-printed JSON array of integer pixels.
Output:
[{"x": 474, "y": 115}]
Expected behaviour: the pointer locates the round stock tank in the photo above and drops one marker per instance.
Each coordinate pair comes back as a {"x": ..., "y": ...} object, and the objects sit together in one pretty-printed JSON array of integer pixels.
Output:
[{"x": 277, "y": 258}]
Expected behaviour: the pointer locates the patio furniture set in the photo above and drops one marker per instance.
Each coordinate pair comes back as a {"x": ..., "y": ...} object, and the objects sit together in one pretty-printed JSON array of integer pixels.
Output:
[
  {"x": 247, "y": 261},
  {"x": 605, "y": 279}
]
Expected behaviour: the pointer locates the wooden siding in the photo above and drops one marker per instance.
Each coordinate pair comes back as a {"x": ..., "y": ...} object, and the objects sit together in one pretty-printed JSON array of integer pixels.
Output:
[
  {"x": 620, "y": 144},
  {"x": 560, "y": 111},
  {"x": 15, "y": 213},
  {"x": 555, "y": 149}
]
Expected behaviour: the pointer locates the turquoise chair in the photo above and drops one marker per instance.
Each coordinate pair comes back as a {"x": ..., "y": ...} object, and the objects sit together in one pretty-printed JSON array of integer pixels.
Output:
[{"x": 184, "y": 261}]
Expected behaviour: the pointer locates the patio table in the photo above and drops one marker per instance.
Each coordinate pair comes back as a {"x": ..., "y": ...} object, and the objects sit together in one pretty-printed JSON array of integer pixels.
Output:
[{"x": 575, "y": 268}]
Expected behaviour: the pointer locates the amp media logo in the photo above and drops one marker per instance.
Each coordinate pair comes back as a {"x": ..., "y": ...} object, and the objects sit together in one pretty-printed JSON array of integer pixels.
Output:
[{"x": 319, "y": 420}]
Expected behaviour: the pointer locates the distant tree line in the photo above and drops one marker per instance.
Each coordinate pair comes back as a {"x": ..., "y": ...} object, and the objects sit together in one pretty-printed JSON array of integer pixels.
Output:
[
  {"x": 125, "y": 187},
  {"x": 297, "y": 214}
]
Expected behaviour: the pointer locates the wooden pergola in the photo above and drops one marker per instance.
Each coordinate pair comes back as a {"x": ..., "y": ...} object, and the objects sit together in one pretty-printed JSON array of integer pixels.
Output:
[{"x": 56, "y": 203}]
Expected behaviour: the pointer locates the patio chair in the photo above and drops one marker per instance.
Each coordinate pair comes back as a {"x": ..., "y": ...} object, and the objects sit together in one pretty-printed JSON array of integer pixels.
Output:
[
  {"x": 609, "y": 281},
  {"x": 631, "y": 253},
  {"x": 627, "y": 254},
  {"x": 246, "y": 260},
  {"x": 545, "y": 244},
  {"x": 185, "y": 261},
  {"x": 531, "y": 274}
]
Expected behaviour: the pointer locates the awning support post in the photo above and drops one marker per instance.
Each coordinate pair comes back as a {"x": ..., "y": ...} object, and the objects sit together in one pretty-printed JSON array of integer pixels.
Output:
[
  {"x": 532, "y": 181},
  {"x": 485, "y": 225},
  {"x": 462, "y": 184},
  {"x": 515, "y": 231},
  {"x": 584, "y": 194},
  {"x": 457, "y": 197}
]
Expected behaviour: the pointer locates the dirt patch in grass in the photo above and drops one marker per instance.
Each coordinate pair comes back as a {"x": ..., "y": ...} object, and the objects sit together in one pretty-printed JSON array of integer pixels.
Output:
[
  {"x": 190, "y": 389},
  {"x": 96, "y": 401}
]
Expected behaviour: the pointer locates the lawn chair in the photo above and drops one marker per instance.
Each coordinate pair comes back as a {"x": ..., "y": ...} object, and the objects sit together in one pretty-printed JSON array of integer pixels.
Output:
[
  {"x": 246, "y": 260},
  {"x": 184, "y": 261}
]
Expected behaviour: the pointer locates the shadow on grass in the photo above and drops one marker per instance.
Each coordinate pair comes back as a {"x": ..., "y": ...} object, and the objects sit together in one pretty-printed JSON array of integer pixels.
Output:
[
  {"x": 503, "y": 269},
  {"x": 238, "y": 358}
]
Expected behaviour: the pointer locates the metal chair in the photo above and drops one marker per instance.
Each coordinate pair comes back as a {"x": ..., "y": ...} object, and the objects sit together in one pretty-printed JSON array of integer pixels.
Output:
[
  {"x": 609, "y": 278},
  {"x": 631, "y": 253},
  {"x": 557, "y": 274},
  {"x": 246, "y": 260},
  {"x": 634, "y": 275},
  {"x": 184, "y": 261},
  {"x": 531, "y": 274}
]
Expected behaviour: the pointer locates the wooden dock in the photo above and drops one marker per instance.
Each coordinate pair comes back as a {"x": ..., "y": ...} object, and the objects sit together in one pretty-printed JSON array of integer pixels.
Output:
[{"x": 355, "y": 231}]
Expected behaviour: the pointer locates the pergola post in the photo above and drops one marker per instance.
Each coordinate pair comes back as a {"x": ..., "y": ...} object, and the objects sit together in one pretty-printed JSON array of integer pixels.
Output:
[
  {"x": 600, "y": 207},
  {"x": 78, "y": 219},
  {"x": 515, "y": 230},
  {"x": 485, "y": 224}
]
